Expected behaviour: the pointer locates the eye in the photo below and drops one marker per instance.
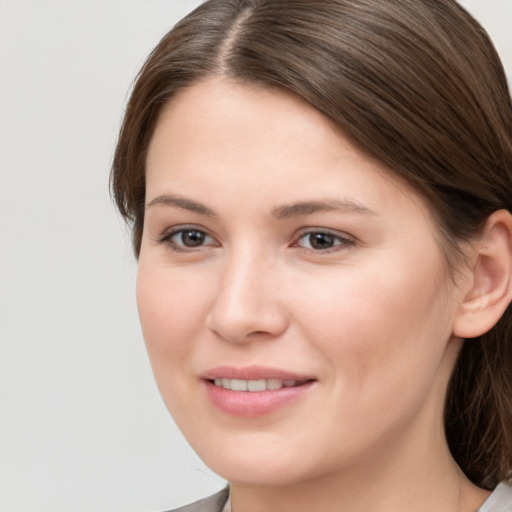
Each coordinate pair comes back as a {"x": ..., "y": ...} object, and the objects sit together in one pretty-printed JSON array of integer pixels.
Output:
[
  {"x": 325, "y": 241},
  {"x": 184, "y": 239},
  {"x": 190, "y": 238}
]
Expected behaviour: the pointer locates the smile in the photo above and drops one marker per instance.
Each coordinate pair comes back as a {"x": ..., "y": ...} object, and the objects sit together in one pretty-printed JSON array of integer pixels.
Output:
[
  {"x": 254, "y": 391},
  {"x": 255, "y": 386}
]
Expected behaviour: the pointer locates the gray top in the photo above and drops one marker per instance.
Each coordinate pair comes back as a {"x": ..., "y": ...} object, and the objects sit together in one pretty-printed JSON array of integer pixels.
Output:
[
  {"x": 213, "y": 503},
  {"x": 500, "y": 500}
]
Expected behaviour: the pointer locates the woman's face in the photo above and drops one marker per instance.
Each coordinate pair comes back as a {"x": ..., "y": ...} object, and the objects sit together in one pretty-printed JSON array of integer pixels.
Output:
[{"x": 276, "y": 256}]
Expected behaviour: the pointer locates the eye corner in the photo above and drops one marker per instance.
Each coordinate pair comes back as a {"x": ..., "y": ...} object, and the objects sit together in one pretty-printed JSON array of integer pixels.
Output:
[
  {"x": 187, "y": 239},
  {"x": 323, "y": 241}
]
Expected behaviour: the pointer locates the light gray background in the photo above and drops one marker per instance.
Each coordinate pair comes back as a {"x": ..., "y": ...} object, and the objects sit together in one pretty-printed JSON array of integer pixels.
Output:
[{"x": 82, "y": 427}]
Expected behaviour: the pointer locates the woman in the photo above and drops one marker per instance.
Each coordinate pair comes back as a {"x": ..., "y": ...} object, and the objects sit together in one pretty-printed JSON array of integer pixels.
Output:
[{"x": 320, "y": 195}]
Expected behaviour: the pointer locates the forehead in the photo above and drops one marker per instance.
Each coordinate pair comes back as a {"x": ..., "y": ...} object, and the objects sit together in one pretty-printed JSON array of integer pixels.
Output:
[
  {"x": 263, "y": 145},
  {"x": 223, "y": 111}
]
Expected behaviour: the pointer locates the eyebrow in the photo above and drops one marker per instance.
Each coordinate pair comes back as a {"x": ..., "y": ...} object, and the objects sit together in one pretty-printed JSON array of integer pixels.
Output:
[
  {"x": 286, "y": 211},
  {"x": 181, "y": 203},
  {"x": 328, "y": 205}
]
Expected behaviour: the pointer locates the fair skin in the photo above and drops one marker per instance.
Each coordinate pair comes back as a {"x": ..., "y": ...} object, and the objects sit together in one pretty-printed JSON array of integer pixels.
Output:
[{"x": 272, "y": 245}]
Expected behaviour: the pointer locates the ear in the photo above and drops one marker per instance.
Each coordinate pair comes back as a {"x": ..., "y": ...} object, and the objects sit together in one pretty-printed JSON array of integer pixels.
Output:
[{"x": 490, "y": 279}]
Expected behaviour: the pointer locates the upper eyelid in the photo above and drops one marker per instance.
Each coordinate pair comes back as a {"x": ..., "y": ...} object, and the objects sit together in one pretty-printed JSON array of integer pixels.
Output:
[
  {"x": 169, "y": 232},
  {"x": 165, "y": 239},
  {"x": 301, "y": 232},
  {"x": 346, "y": 241},
  {"x": 328, "y": 231}
]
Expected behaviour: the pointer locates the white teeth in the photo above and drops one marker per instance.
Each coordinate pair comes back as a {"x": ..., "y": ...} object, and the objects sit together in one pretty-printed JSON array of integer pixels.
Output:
[
  {"x": 274, "y": 384},
  {"x": 254, "y": 385},
  {"x": 238, "y": 385}
]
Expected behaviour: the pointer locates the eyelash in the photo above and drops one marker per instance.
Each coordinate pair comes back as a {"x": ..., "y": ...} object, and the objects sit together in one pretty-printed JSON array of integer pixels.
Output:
[
  {"x": 167, "y": 238},
  {"x": 340, "y": 242}
]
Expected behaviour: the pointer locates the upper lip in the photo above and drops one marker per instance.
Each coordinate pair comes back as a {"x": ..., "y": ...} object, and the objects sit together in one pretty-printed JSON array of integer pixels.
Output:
[{"x": 253, "y": 372}]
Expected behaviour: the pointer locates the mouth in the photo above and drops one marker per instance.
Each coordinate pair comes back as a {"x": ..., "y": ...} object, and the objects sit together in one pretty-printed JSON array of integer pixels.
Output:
[
  {"x": 258, "y": 385},
  {"x": 254, "y": 391}
]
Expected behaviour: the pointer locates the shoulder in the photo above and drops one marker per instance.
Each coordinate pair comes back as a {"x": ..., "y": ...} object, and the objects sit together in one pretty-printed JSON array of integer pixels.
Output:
[
  {"x": 213, "y": 503},
  {"x": 500, "y": 500}
]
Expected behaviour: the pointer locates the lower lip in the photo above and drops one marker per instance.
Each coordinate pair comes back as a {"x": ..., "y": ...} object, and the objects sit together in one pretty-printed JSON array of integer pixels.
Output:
[{"x": 248, "y": 404}]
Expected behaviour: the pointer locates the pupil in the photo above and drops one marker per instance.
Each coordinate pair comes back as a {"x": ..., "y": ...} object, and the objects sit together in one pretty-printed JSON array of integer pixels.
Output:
[
  {"x": 192, "y": 238},
  {"x": 321, "y": 241}
]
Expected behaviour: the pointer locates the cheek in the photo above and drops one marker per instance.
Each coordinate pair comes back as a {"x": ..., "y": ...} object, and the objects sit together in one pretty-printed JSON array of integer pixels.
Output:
[
  {"x": 381, "y": 330},
  {"x": 171, "y": 310}
]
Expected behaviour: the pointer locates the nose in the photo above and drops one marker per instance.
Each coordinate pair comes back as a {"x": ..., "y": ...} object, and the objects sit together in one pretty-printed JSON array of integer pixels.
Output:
[{"x": 247, "y": 305}]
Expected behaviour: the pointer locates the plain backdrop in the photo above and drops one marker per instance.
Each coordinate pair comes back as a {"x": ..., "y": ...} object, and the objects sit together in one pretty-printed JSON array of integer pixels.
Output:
[{"x": 82, "y": 427}]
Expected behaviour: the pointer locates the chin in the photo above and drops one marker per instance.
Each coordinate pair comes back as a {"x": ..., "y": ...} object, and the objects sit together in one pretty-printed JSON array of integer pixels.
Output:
[
  {"x": 254, "y": 467},
  {"x": 250, "y": 475}
]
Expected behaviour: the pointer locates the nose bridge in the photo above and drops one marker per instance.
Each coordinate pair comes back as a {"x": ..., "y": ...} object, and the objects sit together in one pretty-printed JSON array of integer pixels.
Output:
[{"x": 247, "y": 299}]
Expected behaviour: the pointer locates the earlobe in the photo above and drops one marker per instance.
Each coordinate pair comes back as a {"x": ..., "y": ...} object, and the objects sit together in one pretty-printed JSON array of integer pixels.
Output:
[{"x": 491, "y": 286}]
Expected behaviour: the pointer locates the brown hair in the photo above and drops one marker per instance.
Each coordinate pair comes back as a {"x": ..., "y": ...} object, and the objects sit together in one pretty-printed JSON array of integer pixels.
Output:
[{"x": 418, "y": 85}]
